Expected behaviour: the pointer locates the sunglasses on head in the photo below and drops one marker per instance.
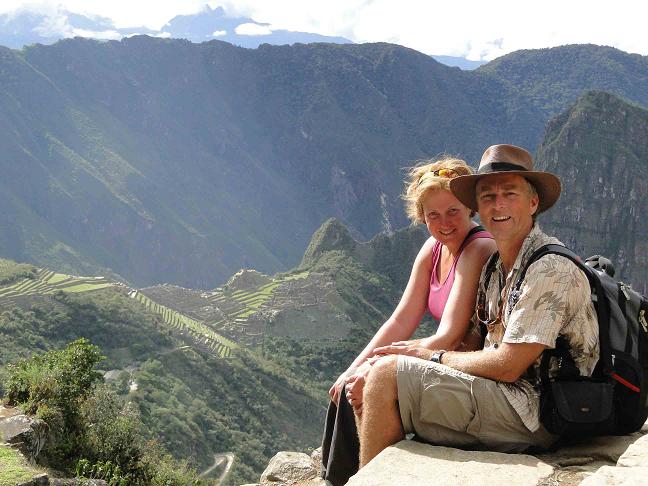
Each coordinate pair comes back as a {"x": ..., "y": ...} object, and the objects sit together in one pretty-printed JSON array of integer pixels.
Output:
[{"x": 447, "y": 173}]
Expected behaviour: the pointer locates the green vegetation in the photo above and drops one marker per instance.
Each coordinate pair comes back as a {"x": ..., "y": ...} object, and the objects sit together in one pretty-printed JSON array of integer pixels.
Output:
[
  {"x": 199, "y": 405},
  {"x": 11, "y": 271},
  {"x": 213, "y": 341},
  {"x": 120, "y": 326},
  {"x": 91, "y": 432},
  {"x": 14, "y": 468},
  {"x": 193, "y": 403},
  {"x": 25, "y": 280}
]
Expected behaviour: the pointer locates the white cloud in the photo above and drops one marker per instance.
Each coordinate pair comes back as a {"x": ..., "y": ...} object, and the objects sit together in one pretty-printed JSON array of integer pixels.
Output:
[
  {"x": 102, "y": 35},
  {"x": 219, "y": 33},
  {"x": 125, "y": 13},
  {"x": 54, "y": 24},
  {"x": 252, "y": 29},
  {"x": 472, "y": 28}
]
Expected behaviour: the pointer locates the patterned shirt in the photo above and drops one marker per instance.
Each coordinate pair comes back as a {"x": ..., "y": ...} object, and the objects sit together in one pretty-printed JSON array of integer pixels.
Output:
[{"x": 554, "y": 299}]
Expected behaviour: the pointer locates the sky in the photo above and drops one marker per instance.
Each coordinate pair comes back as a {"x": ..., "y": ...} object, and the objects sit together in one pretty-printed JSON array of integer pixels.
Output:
[{"x": 476, "y": 30}]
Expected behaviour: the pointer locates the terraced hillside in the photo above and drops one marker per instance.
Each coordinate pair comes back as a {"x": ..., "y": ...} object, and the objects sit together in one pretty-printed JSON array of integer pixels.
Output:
[
  {"x": 46, "y": 282},
  {"x": 252, "y": 305},
  {"x": 35, "y": 284},
  {"x": 200, "y": 334}
]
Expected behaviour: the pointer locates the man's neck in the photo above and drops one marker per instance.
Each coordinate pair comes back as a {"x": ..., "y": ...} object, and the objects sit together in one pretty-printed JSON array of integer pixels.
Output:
[{"x": 509, "y": 250}]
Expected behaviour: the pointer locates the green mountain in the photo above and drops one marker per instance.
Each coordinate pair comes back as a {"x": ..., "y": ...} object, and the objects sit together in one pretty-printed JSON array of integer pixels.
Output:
[
  {"x": 551, "y": 79},
  {"x": 192, "y": 400},
  {"x": 161, "y": 160},
  {"x": 241, "y": 369},
  {"x": 599, "y": 149}
]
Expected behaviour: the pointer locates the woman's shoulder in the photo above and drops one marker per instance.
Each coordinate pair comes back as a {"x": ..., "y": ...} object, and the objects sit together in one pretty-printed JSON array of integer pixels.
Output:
[
  {"x": 427, "y": 250},
  {"x": 479, "y": 249}
]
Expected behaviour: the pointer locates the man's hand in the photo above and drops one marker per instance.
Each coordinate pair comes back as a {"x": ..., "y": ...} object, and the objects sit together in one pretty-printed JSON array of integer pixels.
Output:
[
  {"x": 410, "y": 348},
  {"x": 355, "y": 385}
]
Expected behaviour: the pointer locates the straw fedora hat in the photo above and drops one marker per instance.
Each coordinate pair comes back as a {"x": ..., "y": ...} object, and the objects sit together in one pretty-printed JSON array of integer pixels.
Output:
[{"x": 507, "y": 159}]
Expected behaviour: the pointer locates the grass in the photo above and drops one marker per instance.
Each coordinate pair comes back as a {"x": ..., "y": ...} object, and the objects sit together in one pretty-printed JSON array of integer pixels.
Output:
[
  {"x": 45, "y": 281},
  {"x": 14, "y": 468},
  {"x": 85, "y": 287}
]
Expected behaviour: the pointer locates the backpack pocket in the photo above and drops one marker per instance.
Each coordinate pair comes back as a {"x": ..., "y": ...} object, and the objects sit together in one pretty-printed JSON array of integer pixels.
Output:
[{"x": 577, "y": 408}]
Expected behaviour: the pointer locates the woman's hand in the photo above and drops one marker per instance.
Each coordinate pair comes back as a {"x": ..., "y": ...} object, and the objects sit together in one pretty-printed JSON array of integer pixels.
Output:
[
  {"x": 409, "y": 348},
  {"x": 336, "y": 388}
]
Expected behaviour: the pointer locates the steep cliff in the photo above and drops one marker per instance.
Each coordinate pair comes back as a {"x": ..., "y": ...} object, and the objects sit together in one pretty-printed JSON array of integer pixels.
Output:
[{"x": 599, "y": 148}]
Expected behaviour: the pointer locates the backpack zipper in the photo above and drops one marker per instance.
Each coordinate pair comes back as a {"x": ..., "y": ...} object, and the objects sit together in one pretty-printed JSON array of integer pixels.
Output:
[
  {"x": 642, "y": 319},
  {"x": 622, "y": 286}
]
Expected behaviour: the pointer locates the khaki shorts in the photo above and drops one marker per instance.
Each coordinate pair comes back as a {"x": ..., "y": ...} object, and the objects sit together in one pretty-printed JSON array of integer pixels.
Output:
[{"x": 446, "y": 407}]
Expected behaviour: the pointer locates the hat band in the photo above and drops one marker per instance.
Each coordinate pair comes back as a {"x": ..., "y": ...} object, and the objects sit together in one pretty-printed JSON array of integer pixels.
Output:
[{"x": 499, "y": 167}]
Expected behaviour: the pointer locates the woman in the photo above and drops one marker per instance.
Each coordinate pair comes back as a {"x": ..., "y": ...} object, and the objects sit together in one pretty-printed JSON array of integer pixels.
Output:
[{"x": 444, "y": 279}]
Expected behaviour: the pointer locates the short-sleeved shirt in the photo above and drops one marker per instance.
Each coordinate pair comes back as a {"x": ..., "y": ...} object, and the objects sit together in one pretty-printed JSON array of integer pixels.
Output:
[{"x": 554, "y": 299}]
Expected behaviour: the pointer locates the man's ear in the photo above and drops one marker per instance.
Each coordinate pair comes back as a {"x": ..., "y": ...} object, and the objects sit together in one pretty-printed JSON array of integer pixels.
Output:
[{"x": 535, "y": 202}]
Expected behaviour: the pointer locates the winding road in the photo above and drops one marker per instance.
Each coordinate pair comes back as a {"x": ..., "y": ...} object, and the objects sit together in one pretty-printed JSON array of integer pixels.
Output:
[{"x": 218, "y": 460}]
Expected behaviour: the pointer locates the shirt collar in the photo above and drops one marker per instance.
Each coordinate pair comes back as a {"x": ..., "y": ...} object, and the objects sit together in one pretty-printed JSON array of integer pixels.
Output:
[{"x": 526, "y": 250}]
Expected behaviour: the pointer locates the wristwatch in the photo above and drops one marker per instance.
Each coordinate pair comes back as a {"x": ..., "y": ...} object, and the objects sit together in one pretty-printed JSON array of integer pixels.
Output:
[{"x": 437, "y": 355}]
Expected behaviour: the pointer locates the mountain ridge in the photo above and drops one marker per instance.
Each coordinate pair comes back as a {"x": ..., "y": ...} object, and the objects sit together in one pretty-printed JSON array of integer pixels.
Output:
[{"x": 125, "y": 155}]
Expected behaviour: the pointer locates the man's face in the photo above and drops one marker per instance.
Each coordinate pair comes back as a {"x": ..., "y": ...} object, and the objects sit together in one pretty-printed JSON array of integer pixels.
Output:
[{"x": 506, "y": 206}]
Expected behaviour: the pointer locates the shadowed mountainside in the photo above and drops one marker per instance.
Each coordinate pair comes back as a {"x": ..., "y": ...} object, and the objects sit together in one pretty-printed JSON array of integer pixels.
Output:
[
  {"x": 599, "y": 149},
  {"x": 163, "y": 160}
]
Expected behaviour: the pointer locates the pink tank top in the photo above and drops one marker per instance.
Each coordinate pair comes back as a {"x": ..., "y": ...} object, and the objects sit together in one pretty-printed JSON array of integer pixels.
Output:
[{"x": 439, "y": 292}]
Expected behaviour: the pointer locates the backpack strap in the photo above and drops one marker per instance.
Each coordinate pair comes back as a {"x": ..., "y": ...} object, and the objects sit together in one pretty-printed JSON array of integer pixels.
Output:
[
  {"x": 482, "y": 316},
  {"x": 601, "y": 305}
]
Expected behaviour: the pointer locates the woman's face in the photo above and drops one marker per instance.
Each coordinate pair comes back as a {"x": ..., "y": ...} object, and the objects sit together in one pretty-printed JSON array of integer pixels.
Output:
[{"x": 446, "y": 218}]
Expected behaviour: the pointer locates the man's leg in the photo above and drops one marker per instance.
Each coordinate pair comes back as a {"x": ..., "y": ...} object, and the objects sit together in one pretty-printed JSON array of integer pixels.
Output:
[{"x": 380, "y": 425}]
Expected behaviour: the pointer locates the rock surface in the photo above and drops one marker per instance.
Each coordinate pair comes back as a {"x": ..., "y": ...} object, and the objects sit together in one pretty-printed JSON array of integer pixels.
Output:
[
  {"x": 414, "y": 464},
  {"x": 289, "y": 468},
  {"x": 618, "y": 476},
  {"x": 615, "y": 460},
  {"x": 25, "y": 433},
  {"x": 636, "y": 455}
]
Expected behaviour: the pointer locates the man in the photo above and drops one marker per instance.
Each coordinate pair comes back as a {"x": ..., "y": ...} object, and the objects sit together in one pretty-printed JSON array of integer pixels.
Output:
[{"x": 485, "y": 399}]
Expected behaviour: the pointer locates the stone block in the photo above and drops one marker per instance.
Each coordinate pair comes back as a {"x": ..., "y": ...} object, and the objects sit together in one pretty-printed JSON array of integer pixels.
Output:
[
  {"x": 618, "y": 476},
  {"x": 289, "y": 468},
  {"x": 636, "y": 455},
  {"x": 417, "y": 464},
  {"x": 607, "y": 448},
  {"x": 25, "y": 433}
]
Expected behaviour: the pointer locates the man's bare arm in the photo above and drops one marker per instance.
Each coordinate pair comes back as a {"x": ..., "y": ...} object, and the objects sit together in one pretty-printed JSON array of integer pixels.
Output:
[{"x": 506, "y": 363}]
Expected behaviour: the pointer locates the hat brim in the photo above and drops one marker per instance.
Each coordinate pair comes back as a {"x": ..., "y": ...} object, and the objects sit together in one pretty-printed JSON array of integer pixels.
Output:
[{"x": 546, "y": 184}]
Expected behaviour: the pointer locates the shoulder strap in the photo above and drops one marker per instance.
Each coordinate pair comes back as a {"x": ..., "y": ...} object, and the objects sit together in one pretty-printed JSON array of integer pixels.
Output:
[
  {"x": 474, "y": 230},
  {"x": 481, "y": 291},
  {"x": 490, "y": 267},
  {"x": 598, "y": 297}
]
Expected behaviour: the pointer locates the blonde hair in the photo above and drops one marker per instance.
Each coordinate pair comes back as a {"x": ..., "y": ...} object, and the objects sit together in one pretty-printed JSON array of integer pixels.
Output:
[{"x": 421, "y": 181}]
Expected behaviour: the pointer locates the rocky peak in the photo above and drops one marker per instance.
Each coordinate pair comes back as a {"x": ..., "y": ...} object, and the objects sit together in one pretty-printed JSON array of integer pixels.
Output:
[
  {"x": 332, "y": 235},
  {"x": 599, "y": 149}
]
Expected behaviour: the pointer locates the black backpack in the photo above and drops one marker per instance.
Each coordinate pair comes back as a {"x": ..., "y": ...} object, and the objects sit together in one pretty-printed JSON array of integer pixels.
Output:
[{"x": 614, "y": 400}]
